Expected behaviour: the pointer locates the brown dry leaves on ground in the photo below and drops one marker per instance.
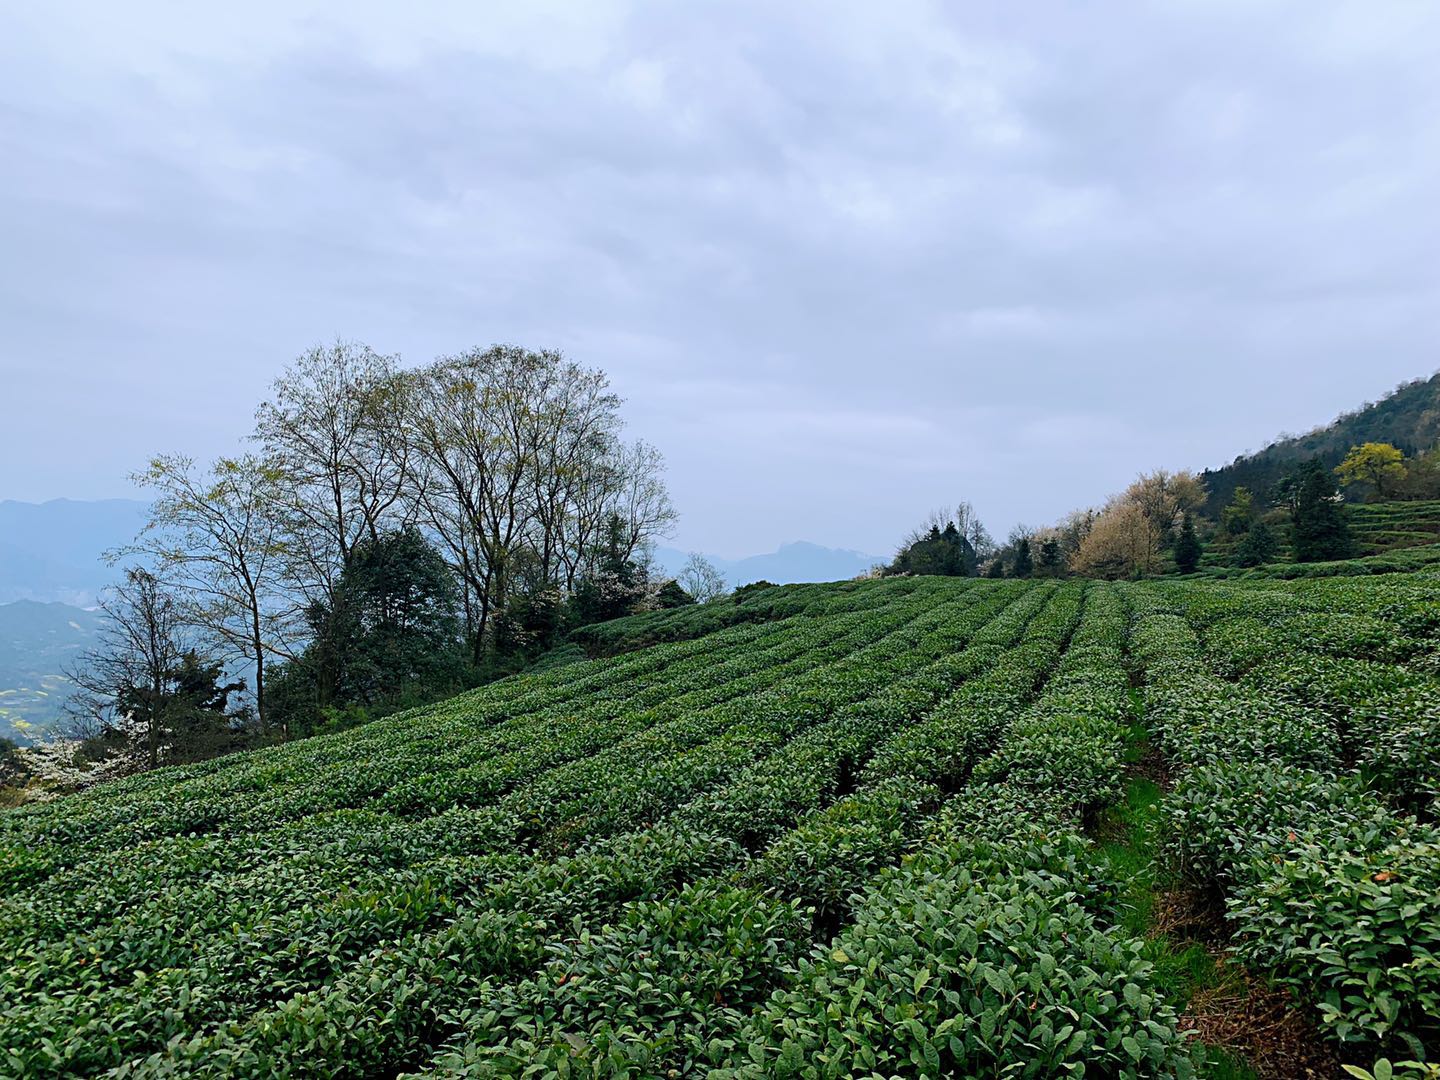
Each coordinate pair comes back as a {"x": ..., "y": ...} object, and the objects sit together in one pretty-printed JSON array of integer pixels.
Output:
[
  {"x": 1262, "y": 1025},
  {"x": 1242, "y": 1014}
]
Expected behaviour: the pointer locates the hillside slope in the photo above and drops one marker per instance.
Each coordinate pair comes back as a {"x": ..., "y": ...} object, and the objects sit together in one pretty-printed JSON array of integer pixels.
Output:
[
  {"x": 676, "y": 861},
  {"x": 1390, "y": 537},
  {"x": 37, "y": 643},
  {"x": 1409, "y": 418}
]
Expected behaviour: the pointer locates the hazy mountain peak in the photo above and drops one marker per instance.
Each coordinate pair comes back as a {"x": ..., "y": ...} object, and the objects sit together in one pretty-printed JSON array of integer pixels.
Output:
[{"x": 792, "y": 562}]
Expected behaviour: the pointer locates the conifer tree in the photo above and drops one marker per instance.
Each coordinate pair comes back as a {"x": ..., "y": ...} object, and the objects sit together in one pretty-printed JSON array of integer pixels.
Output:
[
  {"x": 1319, "y": 527},
  {"x": 1258, "y": 547},
  {"x": 1187, "y": 547},
  {"x": 1051, "y": 564},
  {"x": 1023, "y": 565}
]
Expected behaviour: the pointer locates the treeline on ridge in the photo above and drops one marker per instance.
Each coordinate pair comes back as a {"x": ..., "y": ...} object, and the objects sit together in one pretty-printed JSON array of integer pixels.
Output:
[
  {"x": 1159, "y": 524},
  {"x": 1407, "y": 418}
]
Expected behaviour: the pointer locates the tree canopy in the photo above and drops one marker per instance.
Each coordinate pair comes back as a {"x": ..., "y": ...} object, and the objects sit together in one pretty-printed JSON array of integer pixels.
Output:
[
  {"x": 396, "y": 533},
  {"x": 943, "y": 551},
  {"x": 1128, "y": 536},
  {"x": 1319, "y": 530},
  {"x": 143, "y": 692},
  {"x": 1379, "y": 466}
]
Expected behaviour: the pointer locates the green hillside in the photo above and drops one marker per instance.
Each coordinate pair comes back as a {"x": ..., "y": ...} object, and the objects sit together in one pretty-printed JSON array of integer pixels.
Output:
[
  {"x": 1383, "y": 527},
  {"x": 1390, "y": 537},
  {"x": 1408, "y": 418},
  {"x": 917, "y": 826}
]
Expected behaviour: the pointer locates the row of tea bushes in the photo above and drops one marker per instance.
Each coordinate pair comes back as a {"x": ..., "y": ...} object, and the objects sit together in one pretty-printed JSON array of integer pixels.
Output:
[
  {"x": 994, "y": 950},
  {"x": 564, "y": 1019},
  {"x": 1328, "y": 887},
  {"x": 301, "y": 956}
]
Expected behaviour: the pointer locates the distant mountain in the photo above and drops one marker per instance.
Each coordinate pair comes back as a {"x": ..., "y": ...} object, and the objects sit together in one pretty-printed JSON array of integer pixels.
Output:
[
  {"x": 790, "y": 563},
  {"x": 37, "y": 642},
  {"x": 52, "y": 551},
  {"x": 1408, "y": 417}
]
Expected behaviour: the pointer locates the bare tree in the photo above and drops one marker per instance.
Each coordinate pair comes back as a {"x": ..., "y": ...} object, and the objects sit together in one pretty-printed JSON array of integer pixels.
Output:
[
  {"x": 333, "y": 429},
  {"x": 702, "y": 579},
  {"x": 641, "y": 499},
  {"x": 522, "y": 472},
  {"x": 1073, "y": 529},
  {"x": 120, "y": 682},
  {"x": 1019, "y": 531},
  {"x": 575, "y": 431},
  {"x": 469, "y": 424},
  {"x": 217, "y": 541},
  {"x": 968, "y": 522},
  {"x": 1165, "y": 497},
  {"x": 1123, "y": 541}
]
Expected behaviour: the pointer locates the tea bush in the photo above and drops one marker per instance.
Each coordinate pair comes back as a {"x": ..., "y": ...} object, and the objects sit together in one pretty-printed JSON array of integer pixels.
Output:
[
  {"x": 1331, "y": 883},
  {"x": 820, "y": 831}
]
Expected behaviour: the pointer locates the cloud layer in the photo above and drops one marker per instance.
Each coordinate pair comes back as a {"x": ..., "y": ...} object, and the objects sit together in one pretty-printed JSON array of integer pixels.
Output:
[{"x": 845, "y": 261}]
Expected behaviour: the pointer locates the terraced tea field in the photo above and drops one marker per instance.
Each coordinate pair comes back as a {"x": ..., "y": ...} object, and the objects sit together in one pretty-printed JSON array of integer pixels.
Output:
[
  {"x": 854, "y": 829},
  {"x": 1389, "y": 537}
]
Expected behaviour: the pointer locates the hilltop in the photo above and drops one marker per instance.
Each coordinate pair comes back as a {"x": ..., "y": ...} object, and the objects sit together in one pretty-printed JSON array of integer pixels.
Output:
[
  {"x": 52, "y": 573},
  {"x": 1407, "y": 418}
]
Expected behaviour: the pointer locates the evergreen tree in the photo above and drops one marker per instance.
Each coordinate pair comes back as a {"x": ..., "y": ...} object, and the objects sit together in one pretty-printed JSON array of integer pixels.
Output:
[
  {"x": 952, "y": 548},
  {"x": 618, "y": 585},
  {"x": 996, "y": 569},
  {"x": 196, "y": 709},
  {"x": 1023, "y": 565},
  {"x": 1050, "y": 561},
  {"x": 1319, "y": 529},
  {"x": 391, "y": 634},
  {"x": 937, "y": 551},
  {"x": 531, "y": 623},
  {"x": 1236, "y": 517},
  {"x": 672, "y": 595},
  {"x": 1187, "y": 548},
  {"x": 143, "y": 691},
  {"x": 1286, "y": 491},
  {"x": 1258, "y": 547}
]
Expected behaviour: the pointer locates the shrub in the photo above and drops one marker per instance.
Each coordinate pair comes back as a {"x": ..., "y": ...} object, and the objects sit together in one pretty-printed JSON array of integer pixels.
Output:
[{"x": 1351, "y": 919}]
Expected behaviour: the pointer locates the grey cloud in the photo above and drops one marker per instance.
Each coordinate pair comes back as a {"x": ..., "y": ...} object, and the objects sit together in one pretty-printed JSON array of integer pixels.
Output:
[{"x": 845, "y": 262}]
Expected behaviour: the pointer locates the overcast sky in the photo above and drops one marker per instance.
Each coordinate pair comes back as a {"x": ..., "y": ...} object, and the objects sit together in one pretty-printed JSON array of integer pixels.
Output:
[{"x": 845, "y": 262}]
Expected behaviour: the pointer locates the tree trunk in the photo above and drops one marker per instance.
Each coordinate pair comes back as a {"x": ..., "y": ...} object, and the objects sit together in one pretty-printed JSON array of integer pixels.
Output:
[
  {"x": 157, "y": 676},
  {"x": 258, "y": 644},
  {"x": 153, "y": 735}
]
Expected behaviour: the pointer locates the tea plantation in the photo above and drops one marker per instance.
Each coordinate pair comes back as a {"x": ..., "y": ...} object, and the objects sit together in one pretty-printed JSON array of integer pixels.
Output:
[{"x": 823, "y": 831}]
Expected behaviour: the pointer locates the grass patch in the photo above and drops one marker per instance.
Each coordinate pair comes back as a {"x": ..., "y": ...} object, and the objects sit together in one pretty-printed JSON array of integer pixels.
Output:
[{"x": 1126, "y": 834}]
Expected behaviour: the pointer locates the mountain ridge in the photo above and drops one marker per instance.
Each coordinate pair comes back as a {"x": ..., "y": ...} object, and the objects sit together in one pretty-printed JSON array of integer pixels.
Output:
[
  {"x": 792, "y": 563},
  {"x": 1408, "y": 417},
  {"x": 51, "y": 551}
]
